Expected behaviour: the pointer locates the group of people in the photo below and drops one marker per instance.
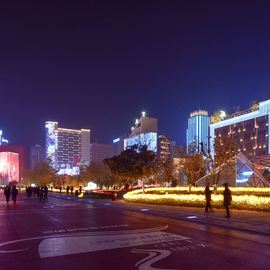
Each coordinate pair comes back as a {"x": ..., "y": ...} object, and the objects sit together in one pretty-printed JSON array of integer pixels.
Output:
[
  {"x": 40, "y": 192},
  {"x": 227, "y": 199},
  {"x": 11, "y": 191}
]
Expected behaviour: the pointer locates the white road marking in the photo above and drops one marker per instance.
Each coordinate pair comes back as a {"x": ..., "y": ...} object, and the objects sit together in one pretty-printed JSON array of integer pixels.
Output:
[
  {"x": 87, "y": 229},
  {"x": 75, "y": 234},
  {"x": 61, "y": 246},
  {"x": 155, "y": 255}
]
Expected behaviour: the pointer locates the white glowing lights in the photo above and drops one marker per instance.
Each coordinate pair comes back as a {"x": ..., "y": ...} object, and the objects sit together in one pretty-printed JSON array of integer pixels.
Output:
[
  {"x": 90, "y": 186},
  {"x": 116, "y": 140},
  {"x": 2, "y": 139},
  {"x": 149, "y": 139},
  {"x": 222, "y": 114}
]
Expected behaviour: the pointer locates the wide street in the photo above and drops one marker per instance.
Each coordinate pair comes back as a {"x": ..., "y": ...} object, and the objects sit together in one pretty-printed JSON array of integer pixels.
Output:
[{"x": 71, "y": 233}]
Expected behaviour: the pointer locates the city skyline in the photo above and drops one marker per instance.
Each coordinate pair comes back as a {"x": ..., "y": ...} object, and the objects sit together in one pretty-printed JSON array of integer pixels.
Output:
[{"x": 100, "y": 64}]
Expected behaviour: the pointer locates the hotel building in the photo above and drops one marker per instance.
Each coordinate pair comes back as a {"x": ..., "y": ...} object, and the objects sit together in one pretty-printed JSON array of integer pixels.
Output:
[
  {"x": 67, "y": 149},
  {"x": 249, "y": 129}
]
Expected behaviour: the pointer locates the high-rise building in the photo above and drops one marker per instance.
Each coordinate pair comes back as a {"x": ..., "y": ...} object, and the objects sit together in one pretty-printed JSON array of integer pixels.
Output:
[
  {"x": 144, "y": 132},
  {"x": 37, "y": 155},
  {"x": 100, "y": 151},
  {"x": 198, "y": 131},
  {"x": 164, "y": 148},
  {"x": 67, "y": 149},
  {"x": 249, "y": 129},
  {"x": 118, "y": 145}
]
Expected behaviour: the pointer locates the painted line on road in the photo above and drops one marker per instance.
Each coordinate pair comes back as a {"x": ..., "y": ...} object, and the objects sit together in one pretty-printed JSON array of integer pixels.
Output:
[{"x": 86, "y": 229}]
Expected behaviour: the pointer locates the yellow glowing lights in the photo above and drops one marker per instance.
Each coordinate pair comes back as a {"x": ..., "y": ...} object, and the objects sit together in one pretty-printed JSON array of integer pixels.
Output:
[{"x": 243, "y": 198}]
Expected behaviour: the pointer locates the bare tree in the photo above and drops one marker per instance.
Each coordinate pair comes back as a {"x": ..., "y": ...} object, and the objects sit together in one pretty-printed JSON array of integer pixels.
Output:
[
  {"x": 193, "y": 167},
  {"x": 219, "y": 154}
]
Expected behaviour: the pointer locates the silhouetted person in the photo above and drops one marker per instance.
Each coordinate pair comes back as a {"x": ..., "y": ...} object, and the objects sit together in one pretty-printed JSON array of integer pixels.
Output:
[
  {"x": 71, "y": 189},
  {"x": 80, "y": 189},
  {"x": 45, "y": 193},
  {"x": 38, "y": 191},
  {"x": 227, "y": 199},
  {"x": 41, "y": 194},
  {"x": 14, "y": 193},
  {"x": 208, "y": 199},
  {"x": 114, "y": 196},
  {"x": 7, "y": 193}
]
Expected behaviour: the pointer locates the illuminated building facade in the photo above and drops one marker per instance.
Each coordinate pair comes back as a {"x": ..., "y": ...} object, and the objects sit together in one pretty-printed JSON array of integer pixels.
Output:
[
  {"x": 249, "y": 130},
  {"x": 67, "y": 149},
  {"x": 198, "y": 131},
  {"x": 144, "y": 132},
  {"x": 12, "y": 162},
  {"x": 164, "y": 148},
  {"x": 99, "y": 151}
]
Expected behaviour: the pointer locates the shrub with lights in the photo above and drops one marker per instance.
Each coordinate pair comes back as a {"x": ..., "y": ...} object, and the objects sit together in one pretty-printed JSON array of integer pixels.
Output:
[{"x": 242, "y": 198}]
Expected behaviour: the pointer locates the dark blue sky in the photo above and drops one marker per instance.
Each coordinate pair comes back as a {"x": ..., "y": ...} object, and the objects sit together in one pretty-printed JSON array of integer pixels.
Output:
[{"x": 98, "y": 64}]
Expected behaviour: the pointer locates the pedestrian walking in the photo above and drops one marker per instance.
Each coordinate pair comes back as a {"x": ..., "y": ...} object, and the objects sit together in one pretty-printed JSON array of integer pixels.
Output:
[
  {"x": 14, "y": 193},
  {"x": 7, "y": 192},
  {"x": 41, "y": 194},
  {"x": 227, "y": 199},
  {"x": 208, "y": 198},
  {"x": 46, "y": 193}
]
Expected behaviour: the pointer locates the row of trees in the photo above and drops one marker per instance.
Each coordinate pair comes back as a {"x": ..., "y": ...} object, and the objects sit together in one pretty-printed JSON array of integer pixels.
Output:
[
  {"x": 135, "y": 163},
  {"x": 138, "y": 163}
]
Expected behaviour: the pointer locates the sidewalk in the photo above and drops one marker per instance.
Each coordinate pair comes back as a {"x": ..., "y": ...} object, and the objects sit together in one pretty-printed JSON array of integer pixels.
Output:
[{"x": 241, "y": 220}]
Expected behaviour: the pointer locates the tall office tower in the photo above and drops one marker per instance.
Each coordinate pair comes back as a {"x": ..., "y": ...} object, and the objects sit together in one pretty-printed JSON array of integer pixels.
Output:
[
  {"x": 164, "y": 148},
  {"x": 249, "y": 129},
  {"x": 67, "y": 149},
  {"x": 198, "y": 131},
  {"x": 37, "y": 155},
  {"x": 99, "y": 151},
  {"x": 144, "y": 132},
  {"x": 118, "y": 145},
  {"x": 2, "y": 139}
]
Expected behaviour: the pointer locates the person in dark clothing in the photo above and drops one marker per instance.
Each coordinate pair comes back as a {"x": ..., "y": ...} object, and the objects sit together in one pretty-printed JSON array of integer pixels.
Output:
[
  {"x": 45, "y": 193},
  {"x": 227, "y": 199},
  {"x": 14, "y": 193},
  {"x": 208, "y": 199},
  {"x": 41, "y": 193},
  {"x": 7, "y": 193}
]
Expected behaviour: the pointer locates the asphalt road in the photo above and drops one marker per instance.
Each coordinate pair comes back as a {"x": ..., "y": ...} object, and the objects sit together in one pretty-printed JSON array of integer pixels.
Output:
[{"x": 100, "y": 234}]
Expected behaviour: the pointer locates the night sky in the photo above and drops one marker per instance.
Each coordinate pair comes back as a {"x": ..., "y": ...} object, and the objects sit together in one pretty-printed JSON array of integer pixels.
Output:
[{"x": 98, "y": 64}]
